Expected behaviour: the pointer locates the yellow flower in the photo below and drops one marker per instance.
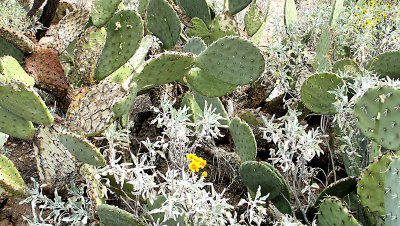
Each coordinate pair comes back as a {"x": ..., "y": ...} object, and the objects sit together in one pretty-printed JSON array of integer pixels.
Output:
[
  {"x": 191, "y": 156},
  {"x": 367, "y": 22},
  {"x": 194, "y": 166},
  {"x": 205, "y": 174}
]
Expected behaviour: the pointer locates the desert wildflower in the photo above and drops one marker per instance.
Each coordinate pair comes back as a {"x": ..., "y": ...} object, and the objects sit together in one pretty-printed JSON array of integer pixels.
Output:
[
  {"x": 367, "y": 22},
  {"x": 190, "y": 156},
  {"x": 205, "y": 174},
  {"x": 196, "y": 163}
]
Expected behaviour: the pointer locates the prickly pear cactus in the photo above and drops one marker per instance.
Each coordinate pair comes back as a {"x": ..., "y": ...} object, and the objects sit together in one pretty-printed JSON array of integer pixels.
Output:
[
  {"x": 386, "y": 64},
  {"x": 232, "y": 60},
  {"x": 112, "y": 215},
  {"x": 194, "y": 109},
  {"x": 337, "y": 7},
  {"x": 93, "y": 184},
  {"x": 195, "y": 45},
  {"x": 8, "y": 49},
  {"x": 377, "y": 113},
  {"x": 164, "y": 68},
  {"x": 371, "y": 187},
  {"x": 196, "y": 8},
  {"x": 23, "y": 101},
  {"x": 10, "y": 68},
  {"x": 162, "y": 21},
  {"x": 18, "y": 39},
  {"x": 90, "y": 112},
  {"x": 392, "y": 190},
  {"x": 103, "y": 10},
  {"x": 54, "y": 162},
  {"x": 125, "y": 105},
  {"x": 253, "y": 20},
  {"x": 236, "y": 6},
  {"x": 339, "y": 189},
  {"x": 207, "y": 85},
  {"x": 315, "y": 92},
  {"x": 82, "y": 149},
  {"x": 244, "y": 140},
  {"x": 64, "y": 6},
  {"x": 11, "y": 182},
  {"x": 200, "y": 29},
  {"x": 347, "y": 66},
  {"x": 44, "y": 65},
  {"x": 334, "y": 212},
  {"x": 290, "y": 14},
  {"x": 15, "y": 126},
  {"x": 124, "y": 32},
  {"x": 215, "y": 103},
  {"x": 223, "y": 25},
  {"x": 321, "y": 61},
  {"x": 87, "y": 53}
]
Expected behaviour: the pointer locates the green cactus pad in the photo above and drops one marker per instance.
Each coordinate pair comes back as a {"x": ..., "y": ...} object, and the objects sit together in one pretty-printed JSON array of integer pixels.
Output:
[
  {"x": 103, "y": 10},
  {"x": 45, "y": 66},
  {"x": 386, "y": 64},
  {"x": 82, "y": 149},
  {"x": 124, "y": 32},
  {"x": 18, "y": 39},
  {"x": 371, "y": 186},
  {"x": 11, "y": 69},
  {"x": 253, "y": 20},
  {"x": 346, "y": 66},
  {"x": 216, "y": 104},
  {"x": 15, "y": 126},
  {"x": 23, "y": 101},
  {"x": 94, "y": 189},
  {"x": 321, "y": 61},
  {"x": 255, "y": 174},
  {"x": 392, "y": 192},
  {"x": 315, "y": 92},
  {"x": 114, "y": 216},
  {"x": 164, "y": 68},
  {"x": 11, "y": 181},
  {"x": 339, "y": 189},
  {"x": 196, "y": 8},
  {"x": 200, "y": 29},
  {"x": 162, "y": 21},
  {"x": 333, "y": 212},
  {"x": 236, "y": 6},
  {"x": 138, "y": 59},
  {"x": 88, "y": 51},
  {"x": 121, "y": 74},
  {"x": 207, "y": 85},
  {"x": 232, "y": 60},
  {"x": 195, "y": 45},
  {"x": 337, "y": 7},
  {"x": 67, "y": 30},
  {"x": 90, "y": 112},
  {"x": 194, "y": 109},
  {"x": 244, "y": 139},
  {"x": 224, "y": 25},
  {"x": 63, "y": 8},
  {"x": 8, "y": 49},
  {"x": 125, "y": 105},
  {"x": 54, "y": 162},
  {"x": 251, "y": 116},
  {"x": 290, "y": 11},
  {"x": 377, "y": 112}
]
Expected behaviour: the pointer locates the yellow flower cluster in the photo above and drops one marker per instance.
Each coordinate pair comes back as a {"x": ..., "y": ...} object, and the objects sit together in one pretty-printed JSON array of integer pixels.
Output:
[
  {"x": 196, "y": 163},
  {"x": 372, "y": 13}
]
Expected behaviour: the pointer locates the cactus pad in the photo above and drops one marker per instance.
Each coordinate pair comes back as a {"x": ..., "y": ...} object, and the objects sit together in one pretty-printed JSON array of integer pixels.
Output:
[
  {"x": 392, "y": 190},
  {"x": 125, "y": 105},
  {"x": 216, "y": 104},
  {"x": 371, "y": 187},
  {"x": 290, "y": 18},
  {"x": 386, "y": 64},
  {"x": 255, "y": 174},
  {"x": 333, "y": 212},
  {"x": 55, "y": 164},
  {"x": 232, "y": 60},
  {"x": 11, "y": 181},
  {"x": 44, "y": 65},
  {"x": 236, "y": 6},
  {"x": 11, "y": 69},
  {"x": 200, "y": 29},
  {"x": 23, "y": 101},
  {"x": 223, "y": 25},
  {"x": 63, "y": 8},
  {"x": 112, "y": 215},
  {"x": 163, "y": 22},
  {"x": 18, "y": 39},
  {"x": 194, "y": 109},
  {"x": 88, "y": 51},
  {"x": 195, "y": 45},
  {"x": 196, "y": 8},
  {"x": 8, "y": 49},
  {"x": 339, "y": 189},
  {"x": 244, "y": 139},
  {"x": 15, "y": 126},
  {"x": 207, "y": 85},
  {"x": 90, "y": 112},
  {"x": 82, "y": 149},
  {"x": 336, "y": 10},
  {"x": 103, "y": 10},
  {"x": 164, "y": 68},
  {"x": 253, "y": 20},
  {"x": 377, "y": 112},
  {"x": 346, "y": 66},
  {"x": 124, "y": 32},
  {"x": 321, "y": 61},
  {"x": 315, "y": 92}
]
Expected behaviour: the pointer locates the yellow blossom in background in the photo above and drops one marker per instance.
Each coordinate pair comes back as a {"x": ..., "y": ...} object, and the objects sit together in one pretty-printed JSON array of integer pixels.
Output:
[
  {"x": 367, "y": 22},
  {"x": 205, "y": 174},
  {"x": 196, "y": 163}
]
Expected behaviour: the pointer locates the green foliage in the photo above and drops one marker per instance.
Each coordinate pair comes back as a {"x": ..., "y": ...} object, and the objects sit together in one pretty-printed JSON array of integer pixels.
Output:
[
  {"x": 15, "y": 125},
  {"x": 244, "y": 139},
  {"x": 236, "y": 6},
  {"x": 386, "y": 64},
  {"x": 196, "y": 8}
]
